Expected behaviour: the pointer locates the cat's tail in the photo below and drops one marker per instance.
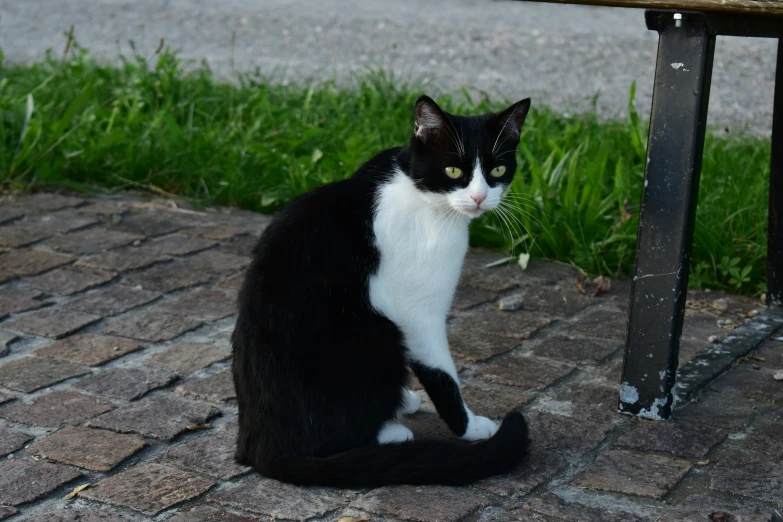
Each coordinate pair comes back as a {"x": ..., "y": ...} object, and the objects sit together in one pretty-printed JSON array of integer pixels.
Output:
[{"x": 438, "y": 461}]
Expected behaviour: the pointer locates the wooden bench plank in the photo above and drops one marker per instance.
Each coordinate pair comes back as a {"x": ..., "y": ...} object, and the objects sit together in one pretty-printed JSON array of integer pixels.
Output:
[{"x": 752, "y": 7}]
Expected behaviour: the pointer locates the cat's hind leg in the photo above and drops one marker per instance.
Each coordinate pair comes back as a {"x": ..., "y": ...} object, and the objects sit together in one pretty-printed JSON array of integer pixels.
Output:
[
  {"x": 411, "y": 402},
  {"x": 391, "y": 432}
]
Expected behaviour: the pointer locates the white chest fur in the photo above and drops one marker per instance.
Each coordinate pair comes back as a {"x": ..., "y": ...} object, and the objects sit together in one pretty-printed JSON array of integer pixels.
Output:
[{"x": 422, "y": 244}]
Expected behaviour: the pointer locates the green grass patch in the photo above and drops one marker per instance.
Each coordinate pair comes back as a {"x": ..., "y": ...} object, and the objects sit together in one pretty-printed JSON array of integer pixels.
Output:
[{"x": 256, "y": 144}]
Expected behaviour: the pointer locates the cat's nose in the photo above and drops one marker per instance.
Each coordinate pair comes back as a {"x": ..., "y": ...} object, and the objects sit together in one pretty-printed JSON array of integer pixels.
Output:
[{"x": 479, "y": 199}]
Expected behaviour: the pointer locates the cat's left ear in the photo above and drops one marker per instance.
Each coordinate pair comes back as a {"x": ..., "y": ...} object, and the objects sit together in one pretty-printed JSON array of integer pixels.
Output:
[{"x": 511, "y": 119}]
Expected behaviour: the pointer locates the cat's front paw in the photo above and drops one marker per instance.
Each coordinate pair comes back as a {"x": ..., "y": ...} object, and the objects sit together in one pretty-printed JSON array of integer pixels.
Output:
[
  {"x": 392, "y": 433},
  {"x": 479, "y": 428}
]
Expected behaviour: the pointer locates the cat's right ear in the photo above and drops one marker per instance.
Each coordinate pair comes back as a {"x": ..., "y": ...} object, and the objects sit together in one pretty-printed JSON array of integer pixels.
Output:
[{"x": 429, "y": 119}]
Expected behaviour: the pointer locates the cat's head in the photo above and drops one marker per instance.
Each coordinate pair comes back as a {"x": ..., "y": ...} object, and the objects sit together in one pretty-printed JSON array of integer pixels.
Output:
[{"x": 465, "y": 162}]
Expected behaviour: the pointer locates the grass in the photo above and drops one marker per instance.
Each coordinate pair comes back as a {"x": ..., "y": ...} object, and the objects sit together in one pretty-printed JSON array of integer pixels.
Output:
[{"x": 76, "y": 123}]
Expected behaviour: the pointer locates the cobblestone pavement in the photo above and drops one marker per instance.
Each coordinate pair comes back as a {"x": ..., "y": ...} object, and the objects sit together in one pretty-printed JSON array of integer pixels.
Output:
[{"x": 115, "y": 316}]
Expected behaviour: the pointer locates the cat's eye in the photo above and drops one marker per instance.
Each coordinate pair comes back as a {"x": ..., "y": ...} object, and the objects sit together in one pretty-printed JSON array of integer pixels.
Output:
[
  {"x": 498, "y": 171},
  {"x": 453, "y": 172}
]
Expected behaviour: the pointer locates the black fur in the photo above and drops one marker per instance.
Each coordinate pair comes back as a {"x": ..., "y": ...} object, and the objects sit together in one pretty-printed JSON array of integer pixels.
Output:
[
  {"x": 318, "y": 370},
  {"x": 445, "y": 394}
]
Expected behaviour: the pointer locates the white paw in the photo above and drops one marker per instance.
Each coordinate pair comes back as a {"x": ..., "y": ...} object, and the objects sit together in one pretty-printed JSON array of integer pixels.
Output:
[
  {"x": 392, "y": 432},
  {"x": 411, "y": 402},
  {"x": 479, "y": 428}
]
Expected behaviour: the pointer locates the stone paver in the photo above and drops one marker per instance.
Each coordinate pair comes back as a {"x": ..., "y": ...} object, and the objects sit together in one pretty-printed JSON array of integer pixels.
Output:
[
  {"x": 15, "y": 300},
  {"x": 59, "y": 408},
  {"x": 123, "y": 341},
  {"x": 161, "y": 418},
  {"x": 633, "y": 473},
  {"x": 78, "y": 515},
  {"x": 233, "y": 282},
  {"x": 179, "y": 245},
  {"x": 686, "y": 440},
  {"x": 32, "y": 373},
  {"x": 16, "y": 263},
  {"x": 70, "y": 279},
  {"x": 11, "y": 440},
  {"x": 9, "y": 214},
  {"x": 212, "y": 454},
  {"x": 24, "y": 234},
  {"x": 210, "y": 514},
  {"x": 279, "y": 500},
  {"x": 601, "y": 324},
  {"x": 512, "y": 324},
  {"x": 576, "y": 350},
  {"x": 525, "y": 372},
  {"x": 186, "y": 358},
  {"x": 214, "y": 263},
  {"x": 124, "y": 259},
  {"x": 150, "y": 325},
  {"x": 204, "y": 305},
  {"x": 540, "y": 467},
  {"x": 215, "y": 388},
  {"x": 467, "y": 297},
  {"x": 555, "y": 302},
  {"x": 567, "y": 434},
  {"x": 148, "y": 488},
  {"x": 166, "y": 277},
  {"x": 6, "y": 338},
  {"x": 217, "y": 232},
  {"x": 113, "y": 300},
  {"x": 125, "y": 383},
  {"x": 96, "y": 450},
  {"x": 433, "y": 504},
  {"x": 497, "y": 279},
  {"x": 91, "y": 241},
  {"x": 89, "y": 349},
  {"x": 54, "y": 323},
  {"x": 698, "y": 508},
  {"x": 758, "y": 477},
  {"x": 26, "y": 480},
  {"x": 45, "y": 202},
  {"x": 152, "y": 224},
  {"x": 105, "y": 207},
  {"x": 494, "y": 403},
  {"x": 552, "y": 506},
  {"x": 477, "y": 346}
]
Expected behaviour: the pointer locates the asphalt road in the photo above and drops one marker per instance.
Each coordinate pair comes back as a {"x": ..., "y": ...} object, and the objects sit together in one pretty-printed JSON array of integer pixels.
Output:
[{"x": 560, "y": 55}]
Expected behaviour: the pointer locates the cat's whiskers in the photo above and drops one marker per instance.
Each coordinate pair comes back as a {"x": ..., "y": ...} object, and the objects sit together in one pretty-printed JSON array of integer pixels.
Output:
[
  {"x": 502, "y": 215},
  {"x": 502, "y": 230},
  {"x": 506, "y": 208},
  {"x": 526, "y": 213}
]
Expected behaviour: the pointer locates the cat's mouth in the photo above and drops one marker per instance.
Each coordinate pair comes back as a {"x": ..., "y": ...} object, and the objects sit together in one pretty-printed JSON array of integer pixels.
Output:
[{"x": 474, "y": 212}]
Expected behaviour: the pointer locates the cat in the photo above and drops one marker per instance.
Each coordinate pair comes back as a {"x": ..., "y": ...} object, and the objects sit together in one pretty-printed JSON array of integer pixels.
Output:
[{"x": 350, "y": 286}]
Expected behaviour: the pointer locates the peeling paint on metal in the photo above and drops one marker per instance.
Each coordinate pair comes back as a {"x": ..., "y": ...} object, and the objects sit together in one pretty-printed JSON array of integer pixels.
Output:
[{"x": 628, "y": 394}]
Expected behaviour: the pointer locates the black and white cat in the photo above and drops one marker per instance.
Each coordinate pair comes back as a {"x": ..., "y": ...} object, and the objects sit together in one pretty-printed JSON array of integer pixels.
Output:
[{"x": 349, "y": 287}]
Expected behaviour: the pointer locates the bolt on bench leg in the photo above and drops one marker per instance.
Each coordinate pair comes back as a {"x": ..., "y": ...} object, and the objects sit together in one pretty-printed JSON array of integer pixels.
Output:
[
  {"x": 775, "y": 236},
  {"x": 671, "y": 183}
]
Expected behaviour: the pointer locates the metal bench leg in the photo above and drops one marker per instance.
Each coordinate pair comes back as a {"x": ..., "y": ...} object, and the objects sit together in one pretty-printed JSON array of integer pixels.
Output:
[
  {"x": 671, "y": 183},
  {"x": 775, "y": 237}
]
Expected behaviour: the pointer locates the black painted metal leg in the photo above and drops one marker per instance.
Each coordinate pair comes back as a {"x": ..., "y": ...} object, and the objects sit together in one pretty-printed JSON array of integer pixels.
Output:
[
  {"x": 775, "y": 236},
  {"x": 671, "y": 183}
]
